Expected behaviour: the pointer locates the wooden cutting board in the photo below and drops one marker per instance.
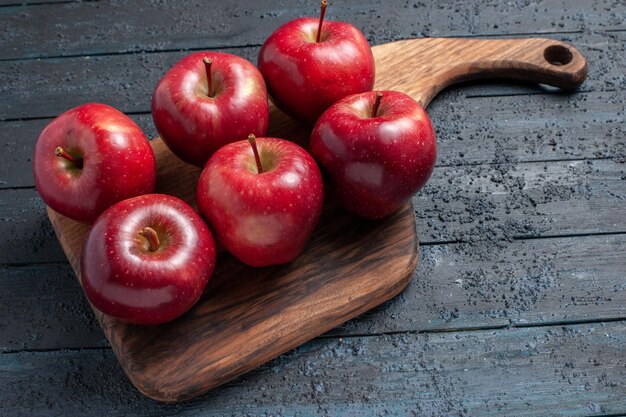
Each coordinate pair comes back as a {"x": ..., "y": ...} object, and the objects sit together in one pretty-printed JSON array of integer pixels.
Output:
[{"x": 249, "y": 316}]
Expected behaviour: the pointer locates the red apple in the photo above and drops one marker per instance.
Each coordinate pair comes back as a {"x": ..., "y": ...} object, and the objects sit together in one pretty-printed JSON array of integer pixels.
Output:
[
  {"x": 378, "y": 150},
  {"x": 207, "y": 100},
  {"x": 307, "y": 70},
  {"x": 89, "y": 158},
  {"x": 263, "y": 205},
  {"x": 147, "y": 259}
]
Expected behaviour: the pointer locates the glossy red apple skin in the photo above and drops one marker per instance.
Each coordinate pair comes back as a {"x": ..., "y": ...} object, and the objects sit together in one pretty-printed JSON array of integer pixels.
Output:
[
  {"x": 194, "y": 125},
  {"x": 118, "y": 162},
  {"x": 305, "y": 77},
  {"x": 124, "y": 279},
  {"x": 375, "y": 164},
  {"x": 262, "y": 219}
]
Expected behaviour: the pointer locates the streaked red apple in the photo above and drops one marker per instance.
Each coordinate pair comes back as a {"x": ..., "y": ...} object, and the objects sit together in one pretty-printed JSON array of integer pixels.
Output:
[
  {"x": 310, "y": 63},
  {"x": 378, "y": 150},
  {"x": 263, "y": 205},
  {"x": 89, "y": 158},
  {"x": 206, "y": 100},
  {"x": 147, "y": 260}
]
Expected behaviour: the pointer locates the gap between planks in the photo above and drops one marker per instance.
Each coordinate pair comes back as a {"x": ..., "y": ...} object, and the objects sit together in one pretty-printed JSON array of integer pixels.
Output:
[
  {"x": 439, "y": 374},
  {"x": 429, "y": 244},
  {"x": 459, "y": 86},
  {"x": 369, "y": 335},
  {"x": 37, "y": 3},
  {"x": 258, "y": 45}
]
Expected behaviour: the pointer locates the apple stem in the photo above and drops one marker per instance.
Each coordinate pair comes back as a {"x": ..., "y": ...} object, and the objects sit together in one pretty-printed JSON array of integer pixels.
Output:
[
  {"x": 207, "y": 66},
  {"x": 152, "y": 237},
  {"x": 379, "y": 97},
  {"x": 252, "y": 140},
  {"x": 63, "y": 154},
  {"x": 322, "y": 13}
]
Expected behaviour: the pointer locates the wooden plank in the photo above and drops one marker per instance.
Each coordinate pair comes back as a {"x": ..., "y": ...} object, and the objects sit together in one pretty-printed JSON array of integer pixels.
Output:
[
  {"x": 523, "y": 128},
  {"x": 27, "y": 234},
  {"x": 20, "y": 3},
  {"x": 465, "y": 203},
  {"x": 549, "y": 15},
  {"x": 47, "y": 88},
  {"x": 522, "y": 282},
  {"x": 125, "y": 82},
  {"x": 519, "y": 282},
  {"x": 148, "y": 26},
  {"x": 528, "y": 128},
  {"x": 504, "y": 201},
  {"x": 570, "y": 371},
  {"x": 43, "y": 307}
]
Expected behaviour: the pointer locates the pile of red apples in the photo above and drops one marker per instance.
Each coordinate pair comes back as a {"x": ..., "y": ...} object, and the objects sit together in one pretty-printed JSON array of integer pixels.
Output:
[{"x": 148, "y": 257}]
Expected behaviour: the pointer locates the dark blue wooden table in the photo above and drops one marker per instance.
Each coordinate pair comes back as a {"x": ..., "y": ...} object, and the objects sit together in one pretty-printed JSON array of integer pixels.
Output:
[{"x": 519, "y": 304}]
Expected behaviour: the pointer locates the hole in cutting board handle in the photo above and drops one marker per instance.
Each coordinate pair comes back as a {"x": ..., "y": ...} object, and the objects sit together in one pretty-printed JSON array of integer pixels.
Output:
[{"x": 558, "y": 55}]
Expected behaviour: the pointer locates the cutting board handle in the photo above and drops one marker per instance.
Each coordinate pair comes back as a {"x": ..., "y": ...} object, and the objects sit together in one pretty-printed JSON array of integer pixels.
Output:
[{"x": 435, "y": 63}]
